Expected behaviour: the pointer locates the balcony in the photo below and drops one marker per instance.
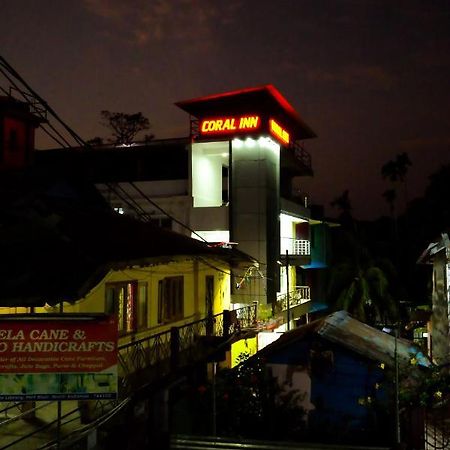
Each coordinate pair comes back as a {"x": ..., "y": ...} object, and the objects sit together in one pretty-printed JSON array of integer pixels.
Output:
[
  {"x": 295, "y": 305},
  {"x": 298, "y": 296},
  {"x": 302, "y": 156},
  {"x": 301, "y": 247},
  {"x": 296, "y": 160},
  {"x": 298, "y": 250}
]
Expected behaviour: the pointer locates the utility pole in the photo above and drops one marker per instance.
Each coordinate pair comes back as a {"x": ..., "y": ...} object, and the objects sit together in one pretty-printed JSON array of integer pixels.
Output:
[{"x": 288, "y": 306}]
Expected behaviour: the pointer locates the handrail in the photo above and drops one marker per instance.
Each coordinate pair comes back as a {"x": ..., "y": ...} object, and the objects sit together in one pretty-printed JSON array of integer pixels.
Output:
[
  {"x": 302, "y": 155},
  {"x": 295, "y": 247},
  {"x": 158, "y": 351},
  {"x": 297, "y": 296},
  {"x": 164, "y": 349}
]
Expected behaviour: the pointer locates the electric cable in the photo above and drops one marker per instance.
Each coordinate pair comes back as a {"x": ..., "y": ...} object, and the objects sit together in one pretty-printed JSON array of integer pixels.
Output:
[
  {"x": 29, "y": 94},
  {"x": 165, "y": 212}
]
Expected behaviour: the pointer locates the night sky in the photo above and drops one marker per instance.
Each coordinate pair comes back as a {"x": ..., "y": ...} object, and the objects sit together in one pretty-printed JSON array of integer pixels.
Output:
[{"x": 371, "y": 77}]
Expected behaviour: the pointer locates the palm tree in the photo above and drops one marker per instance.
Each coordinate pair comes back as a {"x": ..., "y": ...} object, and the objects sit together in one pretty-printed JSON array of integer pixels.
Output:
[
  {"x": 396, "y": 170},
  {"x": 362, "y": 286},
  {"x": 363, "y": 292}
]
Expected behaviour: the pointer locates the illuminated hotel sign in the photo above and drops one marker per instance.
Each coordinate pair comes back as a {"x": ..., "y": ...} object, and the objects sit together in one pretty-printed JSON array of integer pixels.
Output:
[
  {"x": 229, "y": 124},
  {"x": 279, "y": 132}
]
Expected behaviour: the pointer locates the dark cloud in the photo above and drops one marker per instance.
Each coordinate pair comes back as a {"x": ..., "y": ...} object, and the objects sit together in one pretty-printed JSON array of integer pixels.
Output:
[
  {"x": 370, "y": 77},
  {"x": 144, "y": 22},
  {"x": 354, "y": 76}
]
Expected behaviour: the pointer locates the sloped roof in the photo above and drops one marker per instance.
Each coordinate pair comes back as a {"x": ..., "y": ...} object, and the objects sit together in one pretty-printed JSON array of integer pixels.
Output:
[
  {"x": 342, "y": 329},
  {"x": 261, "y": 99},
  {"x": 59, "y": 239},
  {"x": 433, "y": 248}
]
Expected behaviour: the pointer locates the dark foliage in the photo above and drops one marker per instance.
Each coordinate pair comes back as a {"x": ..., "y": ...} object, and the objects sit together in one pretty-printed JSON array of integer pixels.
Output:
[
  {"x": 250, "y": 404},
  {"x": 125, "y": 127}
]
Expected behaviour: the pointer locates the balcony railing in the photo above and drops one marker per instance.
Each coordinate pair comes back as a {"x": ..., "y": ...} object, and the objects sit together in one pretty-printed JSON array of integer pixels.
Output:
[
  {"x": 168, "y": 350},
  {"x": 302, "y": 155},
  {"x": 297, "y": 247},
  {"x": 301, "y": 247},
  {"x": 299, "y": 295}
]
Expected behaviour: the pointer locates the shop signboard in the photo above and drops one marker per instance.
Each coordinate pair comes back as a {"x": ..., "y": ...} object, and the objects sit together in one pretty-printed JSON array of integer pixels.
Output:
[{"x": 58, "y": 358}]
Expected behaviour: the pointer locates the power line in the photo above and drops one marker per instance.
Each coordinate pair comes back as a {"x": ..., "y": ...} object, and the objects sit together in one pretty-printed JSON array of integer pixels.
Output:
[
  {"x": 42, "y": 109},
  {"x": 165, "y": 212}
]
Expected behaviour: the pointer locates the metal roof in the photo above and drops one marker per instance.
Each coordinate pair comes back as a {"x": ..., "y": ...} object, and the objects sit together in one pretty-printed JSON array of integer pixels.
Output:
[{"x": 342, "y": 329}]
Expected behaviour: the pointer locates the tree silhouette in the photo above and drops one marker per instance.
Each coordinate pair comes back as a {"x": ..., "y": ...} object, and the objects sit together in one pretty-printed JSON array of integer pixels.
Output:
[
  {"x": 125, "y": 127},
  {"x": 396, "y": 170},
  {"x": 343, "y": 204},
  {"x": 95, "y": 142},
  {"x": 361, "y": 285}
]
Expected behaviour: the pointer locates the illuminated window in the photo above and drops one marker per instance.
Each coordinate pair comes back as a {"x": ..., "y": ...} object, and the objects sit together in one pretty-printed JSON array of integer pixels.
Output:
[
  {"x": 121, "y": 300},
  {"x": 170, "y": 299}
]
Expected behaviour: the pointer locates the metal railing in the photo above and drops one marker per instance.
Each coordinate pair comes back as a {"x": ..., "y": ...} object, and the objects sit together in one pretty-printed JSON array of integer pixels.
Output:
[
  {"x": 166, "y": 348},
  {"x": 301, "y": 247},
  {"x": 302, "y": 155},
  {"x": 436, "y": 430},
  {"x": 142, "y": 361},
  {"x": 297, "y": 247},
  {"x": 297, "y": 296}
]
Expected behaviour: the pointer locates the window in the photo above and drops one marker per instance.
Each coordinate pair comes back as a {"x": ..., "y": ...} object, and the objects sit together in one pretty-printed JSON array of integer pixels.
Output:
[
  {"x": 170, "y": 299},
  {"x": 121, "y": 300},
  {"x": 142, "y": 308}
]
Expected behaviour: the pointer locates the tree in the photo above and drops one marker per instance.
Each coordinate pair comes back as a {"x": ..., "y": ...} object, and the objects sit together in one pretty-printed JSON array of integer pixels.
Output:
[
  {"x": 360, "y": 284},
  {"x": 396, "y": 170},
  {"x": 343, "y": 204},
  {"x": 95, "y": 142},
  {"x": 125, "y": 127},
  {"x": 363, "y": 290},
  {"x": 250, "y": 403}
]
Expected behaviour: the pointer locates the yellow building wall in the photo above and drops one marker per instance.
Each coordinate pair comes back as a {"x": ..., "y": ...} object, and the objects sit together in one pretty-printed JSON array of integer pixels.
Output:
[
  {"x": 292, "y": 278},
  {"x": 242, "y": 350},
  {"x": 194, "y": 274}
]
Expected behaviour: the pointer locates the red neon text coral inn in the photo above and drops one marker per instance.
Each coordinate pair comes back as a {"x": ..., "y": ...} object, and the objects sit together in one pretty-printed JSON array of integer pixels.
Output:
[
  {"x": 242, "y": 124},
  {"x": 248, "y": 112}
]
